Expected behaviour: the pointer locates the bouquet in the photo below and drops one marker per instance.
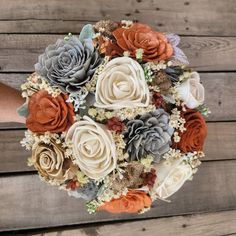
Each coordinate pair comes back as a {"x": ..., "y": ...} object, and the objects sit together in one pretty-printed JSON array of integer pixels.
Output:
[{"x": 115, "y": 116}]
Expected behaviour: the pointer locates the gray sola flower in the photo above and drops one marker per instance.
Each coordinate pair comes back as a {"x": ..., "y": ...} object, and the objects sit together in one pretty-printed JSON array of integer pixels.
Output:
[
  {"x": 69, "y": 63},
  {"x": 87, "y": 192},
  {"x": 148, "y": 134}
]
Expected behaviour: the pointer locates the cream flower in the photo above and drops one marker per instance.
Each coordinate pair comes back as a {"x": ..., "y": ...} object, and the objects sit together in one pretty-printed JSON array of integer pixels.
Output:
[
  {"x": 191, "y": 91},
  {"x": 93, "y": 148},
  {"x": 122, "y": 85},
  {"x": 171, "y": 175},
  {"x": 51, "y": 163}
]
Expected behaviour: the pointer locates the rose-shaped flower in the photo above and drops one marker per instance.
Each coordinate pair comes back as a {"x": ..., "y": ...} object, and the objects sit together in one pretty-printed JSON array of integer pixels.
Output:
[
  {"x": 93, "y": 148},
  {"x": 47, "y": 113},
  {"x": 69, "y": 64},
  {"x": 148, "y": 134},
  {"x": 51, "y": 163},
  {"x": 171, "y": 175},
  {"x": 133, "y": 202},
  {"x": 192, "y": 139},
  {"x": 155, "y": 45},
  {"x": 191, "y": 91},
  {"x": 122, "y": 84}
]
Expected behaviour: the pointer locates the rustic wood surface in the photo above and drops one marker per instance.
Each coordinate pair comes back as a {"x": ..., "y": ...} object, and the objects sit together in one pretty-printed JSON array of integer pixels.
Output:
[
  {"x": 13, "y": 157},
  {"x": 211, "y": 224},
  {"x": 20, "y": 52},
  {"x": 186, "y": 17},
  {"x": 35, "y": 204},
  {"x": 208, "y": 38}
]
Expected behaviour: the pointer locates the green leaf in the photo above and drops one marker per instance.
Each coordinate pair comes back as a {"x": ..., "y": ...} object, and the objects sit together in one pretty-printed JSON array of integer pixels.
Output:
[
  {"x": 86, "y": 33},
  {"x": 23, "y": 110}
]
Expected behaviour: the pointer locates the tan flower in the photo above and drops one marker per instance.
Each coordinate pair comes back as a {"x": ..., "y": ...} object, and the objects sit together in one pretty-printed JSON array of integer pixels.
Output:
[{"x": 50, "y": 161}]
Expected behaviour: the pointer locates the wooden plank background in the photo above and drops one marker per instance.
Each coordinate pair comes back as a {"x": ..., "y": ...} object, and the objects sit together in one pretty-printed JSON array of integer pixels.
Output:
[{"x": 206, "y": 205}]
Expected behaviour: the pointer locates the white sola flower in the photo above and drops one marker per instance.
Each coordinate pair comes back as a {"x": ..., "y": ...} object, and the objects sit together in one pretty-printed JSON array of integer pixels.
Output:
[
  {"x": 122, "y": 85},
  {"x": 191, "y": 91},
  {"x": 93, "y": 148},
  {"x": 171, "y": 175}
]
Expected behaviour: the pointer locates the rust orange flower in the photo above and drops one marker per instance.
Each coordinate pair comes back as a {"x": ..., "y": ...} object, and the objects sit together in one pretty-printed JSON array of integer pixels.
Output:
[
  {"x": 196, "y": 131},
  {"x": 133, "y": 202},
  {"x": 155, "y": 45},
  {"x": 47, "y": 113}
]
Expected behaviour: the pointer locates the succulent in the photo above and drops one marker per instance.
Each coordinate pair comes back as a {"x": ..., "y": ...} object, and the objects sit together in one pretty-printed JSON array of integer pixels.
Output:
[
  {"x": 69, "y": 63},
  {"x": 87, "y": 192},
  {"x": 149, "y": 134}
]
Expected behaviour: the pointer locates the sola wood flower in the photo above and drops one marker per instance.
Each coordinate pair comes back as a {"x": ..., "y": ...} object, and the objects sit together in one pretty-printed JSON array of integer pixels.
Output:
[
  {"x": 122, "y": 85},
  {"x": 148, "y": 134},
  {"x": 51, "y": 163},
  {"x": 47, "y": 113},
  {"x": 93, "y": 148},
  {"x": 192, "y": 139},
  {"x": 171, "y": 175},
  {"x": 133, "y": 202},
  {"x": 69, "y": 64},
  {"x": 191, "y": 91},
  {"x": 155, "y": 45}
]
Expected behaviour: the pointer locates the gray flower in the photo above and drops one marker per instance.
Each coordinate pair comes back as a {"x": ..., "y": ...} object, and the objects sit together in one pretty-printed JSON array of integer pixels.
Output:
[
  {"x": 148, "y": 134},
  {"x": 87, "y": 192},
  {"x": 69, "y": 64}
]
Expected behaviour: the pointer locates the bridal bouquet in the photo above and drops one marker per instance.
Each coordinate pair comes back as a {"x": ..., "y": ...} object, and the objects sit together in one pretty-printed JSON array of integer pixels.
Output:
[{"x": 115, "y": 116}]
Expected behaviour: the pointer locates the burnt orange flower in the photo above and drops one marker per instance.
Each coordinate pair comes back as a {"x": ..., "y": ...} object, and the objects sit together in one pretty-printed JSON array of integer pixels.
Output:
[
  {"x": 155, "y": 45},
  {"x": 47, "y": 113},
  {"x": 133, "y": 202},
  {"x": 196, "y": 131}
]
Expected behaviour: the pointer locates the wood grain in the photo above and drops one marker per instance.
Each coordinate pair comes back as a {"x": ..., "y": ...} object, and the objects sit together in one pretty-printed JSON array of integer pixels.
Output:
[
  {"x": 13, "y": 157},
  {"x": 19, "y": 53},
  {"x": 209, "y": 224},
  {"x": 187, "y": 17},
  {"x": 219, "y": 91},
  {"x": 35, "y": 204}
]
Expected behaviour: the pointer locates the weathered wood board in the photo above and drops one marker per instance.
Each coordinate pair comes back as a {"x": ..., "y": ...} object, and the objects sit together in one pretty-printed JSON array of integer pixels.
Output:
[
  {"x": 187, "y": 17},
  {"x": 208, "y": 35},
  {"x": 35, "y": 204},
  {"x": 211, "y": 224},
  {"x": 13, "y": 157},
  {"x": 20, "y": 52}
]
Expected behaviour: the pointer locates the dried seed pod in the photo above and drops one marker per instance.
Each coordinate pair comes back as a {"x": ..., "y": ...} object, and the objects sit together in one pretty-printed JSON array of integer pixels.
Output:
[{"x": 162, "y": 81}]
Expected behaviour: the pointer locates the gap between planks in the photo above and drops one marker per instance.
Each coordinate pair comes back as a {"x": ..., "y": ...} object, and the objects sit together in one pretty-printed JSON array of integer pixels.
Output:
[
  {"x": 220, "y": 145},
  {"x": 188, "y": 17},
  {"x": 20, "y": 52},
  {"x": 220, "y": 94},
  {"x": 46, "y": 206},
  {"x": 206, "y": 224}
]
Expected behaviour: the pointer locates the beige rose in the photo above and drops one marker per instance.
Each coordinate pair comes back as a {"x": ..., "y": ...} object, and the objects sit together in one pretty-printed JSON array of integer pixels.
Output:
[
  {"x": 191, "y": 91},
  {"x": 171, "y": 175},
  {"x": 51, "y": 163},
  {"x": 122, "y": 85},
  {"x": 93, "y": 148}
]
